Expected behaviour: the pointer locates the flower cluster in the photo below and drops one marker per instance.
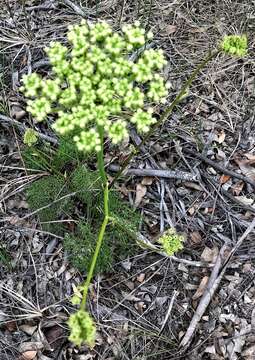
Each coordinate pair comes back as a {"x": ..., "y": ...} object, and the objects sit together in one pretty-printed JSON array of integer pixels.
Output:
[
  {"x": 83, "y": 329},
  {"x": 96, "y": 81},
  {"x": 235, "y": 45},
  {"x": 171, "y": 241},
  {"x": 30, "y": 137}
]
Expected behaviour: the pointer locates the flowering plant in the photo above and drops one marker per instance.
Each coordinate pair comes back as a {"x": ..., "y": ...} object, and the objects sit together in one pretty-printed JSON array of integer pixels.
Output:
[{"x": 96, "y": 89}]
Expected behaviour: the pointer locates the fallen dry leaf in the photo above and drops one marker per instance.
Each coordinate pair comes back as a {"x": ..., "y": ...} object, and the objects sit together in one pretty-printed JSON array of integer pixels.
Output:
[
  {"x": 130, "y": 285},
  {"x": 246, "y": 168},
  {"x": 140, "y": 278},
  {"x": 30, "y": 346},
  {"x": 191, "y": 210},
  {"x": 170, "y": 29},
  {"x": 29, "y": 355},
  {"x": 140, "y": 307},
  {"x": 237, "y": 188},
  {"x": 196, "y": 238},
  {"x": 201, "y": 288},
  {"x": 28, "y": 329},
  {"x": 210, "y": 350},
  {"x": 220, "y": 155},
  {"x": 210, "y": 255},
  {"x": 224, "y": 179},
  {"x": 11, "y": 326},
  {"x": 221, "y": 137},
  {"x": 250, "y": 157},
  {"x": 140, "y": 193},
  {"x": 54, "y": 336},
  {"x": 147, "y": 180}
]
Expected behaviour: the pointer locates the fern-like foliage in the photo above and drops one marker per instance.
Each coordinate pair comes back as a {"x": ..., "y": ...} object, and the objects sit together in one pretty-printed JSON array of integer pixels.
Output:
[
  {"x": 44, "y": 194},
  {"x": 119, "y": 241},
  {"x": 81, "y": 246},
  {"x": 68, "y": 174},
  {"x": 37, "y": 157},
  {"x": 87, "y": 184},
  {"x": 67, "y": 155},
  {"x": 64, "y": 158}
]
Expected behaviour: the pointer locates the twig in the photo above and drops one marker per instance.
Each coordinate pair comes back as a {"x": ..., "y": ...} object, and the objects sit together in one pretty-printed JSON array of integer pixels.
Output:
[
  {"x": 219, "y": 167},
  {"x": 36, "y": 65},
  {"x": 168, "y": 174},
  {"x": 11, "y": 121},
  {"x": 168, "y": 217},
  {"x": 214, "y": 281},
  {"x": 175, "y": 294},
  {"x": 162, "y": 193},
  {"x": 205, "y": 300}
]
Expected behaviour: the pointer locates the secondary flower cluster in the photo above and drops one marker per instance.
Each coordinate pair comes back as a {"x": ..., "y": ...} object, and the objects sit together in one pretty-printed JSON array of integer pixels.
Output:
[
  {"x": 30, "y": 137},
  {"x": 235, "y": 45},
  {"x": 96, "y": 83},
  {"x": 83, "y": 329},
  {"x": 171, "y": 241}
]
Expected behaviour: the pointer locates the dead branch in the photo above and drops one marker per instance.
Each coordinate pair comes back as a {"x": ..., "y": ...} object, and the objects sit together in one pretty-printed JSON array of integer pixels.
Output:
[
  {"x": 214, "y": 281},
  {"x": 168, "y": 174}
]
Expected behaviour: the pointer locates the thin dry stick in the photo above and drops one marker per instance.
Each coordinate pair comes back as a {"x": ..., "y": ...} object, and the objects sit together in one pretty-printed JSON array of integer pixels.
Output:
[
  {"x": 175, "y": 294},
  {"x": 168, "y": 174},
  {"x": 214, "y": 281},
  {"x": 219, "y": 167}
]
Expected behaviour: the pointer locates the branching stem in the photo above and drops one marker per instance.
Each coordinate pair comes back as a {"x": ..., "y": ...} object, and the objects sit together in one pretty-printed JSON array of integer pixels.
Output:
[{"x": 166, "y": 113}]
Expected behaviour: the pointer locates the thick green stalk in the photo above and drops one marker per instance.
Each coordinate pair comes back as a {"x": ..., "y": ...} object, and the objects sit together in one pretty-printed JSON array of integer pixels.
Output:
[
  {"x": 166, "y": 113},
  {"x": 100, "y": 162}
]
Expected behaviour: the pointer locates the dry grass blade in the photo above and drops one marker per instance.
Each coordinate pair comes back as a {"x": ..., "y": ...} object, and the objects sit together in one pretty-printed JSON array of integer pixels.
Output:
[{"x": 19, "y": 304}]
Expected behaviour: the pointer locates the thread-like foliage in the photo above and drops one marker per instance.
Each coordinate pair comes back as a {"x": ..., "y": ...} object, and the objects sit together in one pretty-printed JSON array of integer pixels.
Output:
[
  {"x": 46, "y": 191},
  {"x": 68, "y": 175},
  {"x": 81, "y": 246}
]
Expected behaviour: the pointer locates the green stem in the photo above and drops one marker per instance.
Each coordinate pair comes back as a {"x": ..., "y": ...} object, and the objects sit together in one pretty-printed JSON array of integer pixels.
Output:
[
  {"x": 165, "y": 114},
  {"x": 100, "y": 161},
  {"x": 100, "y": 157}
]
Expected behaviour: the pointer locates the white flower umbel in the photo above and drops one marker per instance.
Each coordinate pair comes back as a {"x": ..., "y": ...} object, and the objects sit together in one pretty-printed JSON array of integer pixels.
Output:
[{"x": 95, "y": 82}]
